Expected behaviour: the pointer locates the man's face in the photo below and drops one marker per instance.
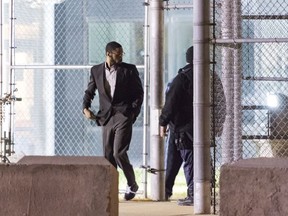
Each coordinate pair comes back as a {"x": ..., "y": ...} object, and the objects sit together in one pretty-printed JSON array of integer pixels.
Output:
[{"x": 116, "y": 55}]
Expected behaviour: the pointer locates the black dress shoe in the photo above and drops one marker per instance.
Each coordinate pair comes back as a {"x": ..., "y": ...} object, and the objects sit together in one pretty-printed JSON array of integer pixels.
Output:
[{"x": 131, "y": 192}]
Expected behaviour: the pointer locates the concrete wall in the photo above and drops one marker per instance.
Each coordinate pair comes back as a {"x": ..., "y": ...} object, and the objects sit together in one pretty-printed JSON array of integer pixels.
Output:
[
  {"x": 59, "y": 186},
  {"x": 254, "y": 187}
]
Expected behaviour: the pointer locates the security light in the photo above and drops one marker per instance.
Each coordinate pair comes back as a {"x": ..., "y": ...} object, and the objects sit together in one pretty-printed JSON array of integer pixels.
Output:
[{"x": 272, "y": 100}]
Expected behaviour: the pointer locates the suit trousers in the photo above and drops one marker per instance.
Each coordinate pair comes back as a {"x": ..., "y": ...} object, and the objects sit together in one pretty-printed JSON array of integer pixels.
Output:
[{"x": 117, "y": 135}]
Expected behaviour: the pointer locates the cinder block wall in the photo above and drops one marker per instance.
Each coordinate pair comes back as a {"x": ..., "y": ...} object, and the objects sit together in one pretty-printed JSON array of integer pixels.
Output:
[
  {"x": 254, "y": 187},
  {"x": 59, "y": 186}
]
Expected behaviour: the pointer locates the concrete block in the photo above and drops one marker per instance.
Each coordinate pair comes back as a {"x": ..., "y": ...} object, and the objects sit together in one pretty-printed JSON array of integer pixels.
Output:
[
  {"x": 254, "y": 187},
  {"x": 59, "y": 186}
]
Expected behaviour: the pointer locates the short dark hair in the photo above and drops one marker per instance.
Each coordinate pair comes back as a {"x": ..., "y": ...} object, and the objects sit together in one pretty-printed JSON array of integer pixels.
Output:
[
  {"x": 112, "y": 46},
  {"x": 189, "y": 55}
]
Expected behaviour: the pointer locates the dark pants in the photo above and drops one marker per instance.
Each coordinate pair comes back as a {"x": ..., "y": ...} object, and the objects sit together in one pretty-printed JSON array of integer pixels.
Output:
[
  {"x": 117, "y": 135},
  {"x": 174, "y": 160}
]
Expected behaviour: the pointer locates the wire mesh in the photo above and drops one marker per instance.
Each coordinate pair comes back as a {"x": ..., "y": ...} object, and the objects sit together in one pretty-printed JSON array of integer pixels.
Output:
[
  {"x": 68, "y": 33},
  {"x": 250, "y": 56}
]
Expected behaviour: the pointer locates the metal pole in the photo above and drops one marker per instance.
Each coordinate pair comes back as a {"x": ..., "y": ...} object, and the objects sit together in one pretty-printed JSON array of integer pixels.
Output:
[
  {"x": 8, "y": 148},
  {"x": 178, "y": 6},
  {"x": 227, "y": 81},
  {"x": 146, "y": 91},
  {"x": 238, "y": 148},
  {"x": 249, "y": 40},
  {"x": 49, "y": 77},
  {"x": 12, "y": 80},
  {"x": 1, "y": 76},
  {"x": 156, "y": 97},
  {"x": 68, "y": 67},
  {"x": 201, "y": 104}
]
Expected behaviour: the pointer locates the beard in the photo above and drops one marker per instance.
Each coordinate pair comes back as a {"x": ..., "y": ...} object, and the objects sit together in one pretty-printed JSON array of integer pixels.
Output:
[{"x": 118, "y": 61}]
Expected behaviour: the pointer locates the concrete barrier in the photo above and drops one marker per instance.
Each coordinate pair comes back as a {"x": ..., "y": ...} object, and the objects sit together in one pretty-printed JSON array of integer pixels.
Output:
[
  {"x": 254, "y": 187},
  {"x": 59, "y": 186}
]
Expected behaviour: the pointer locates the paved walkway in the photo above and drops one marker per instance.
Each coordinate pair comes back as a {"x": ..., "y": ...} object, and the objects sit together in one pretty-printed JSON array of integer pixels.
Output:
[{"x": 152, "y": 208}]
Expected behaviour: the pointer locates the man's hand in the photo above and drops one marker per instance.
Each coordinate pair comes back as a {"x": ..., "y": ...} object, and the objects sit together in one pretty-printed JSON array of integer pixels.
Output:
[
  {"x": 163, "y": 131},
  {"x": 89, "y": 114}
]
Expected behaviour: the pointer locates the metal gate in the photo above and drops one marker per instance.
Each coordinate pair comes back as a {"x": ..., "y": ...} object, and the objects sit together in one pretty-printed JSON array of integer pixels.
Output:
[{"x": 47, "y": 50}]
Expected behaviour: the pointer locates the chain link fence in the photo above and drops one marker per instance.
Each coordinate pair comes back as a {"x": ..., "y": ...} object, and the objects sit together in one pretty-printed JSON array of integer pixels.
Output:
[
  {"x": 250, "y": 56},
  {"x": 52, "y": 45},
  {"x": 55, "y": 43}
]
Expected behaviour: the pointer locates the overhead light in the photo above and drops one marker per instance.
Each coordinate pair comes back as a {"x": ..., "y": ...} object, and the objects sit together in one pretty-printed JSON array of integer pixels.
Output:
[{"x": 272, "y": 100}]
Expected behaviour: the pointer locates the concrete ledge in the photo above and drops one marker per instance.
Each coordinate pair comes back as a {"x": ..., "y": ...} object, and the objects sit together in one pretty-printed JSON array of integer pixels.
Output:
[
  {"x": 59, "y": 186},
  {"x": 254, "y": 187}
]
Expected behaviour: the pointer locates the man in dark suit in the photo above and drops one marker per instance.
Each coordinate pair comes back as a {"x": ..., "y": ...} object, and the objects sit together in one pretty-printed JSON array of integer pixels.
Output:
[{"x": 120, "y": 97}]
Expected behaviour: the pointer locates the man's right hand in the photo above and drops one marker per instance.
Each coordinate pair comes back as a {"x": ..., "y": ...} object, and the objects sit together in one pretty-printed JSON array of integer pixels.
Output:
[
  {"x": 89, "y": 114},
  {"x": 163, "y": 131}
]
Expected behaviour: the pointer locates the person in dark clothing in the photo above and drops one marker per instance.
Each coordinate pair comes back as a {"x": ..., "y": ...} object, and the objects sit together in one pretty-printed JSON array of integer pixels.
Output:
[
  {"x": 120, "y": 97},
  {"x": 177, "y": 113}
]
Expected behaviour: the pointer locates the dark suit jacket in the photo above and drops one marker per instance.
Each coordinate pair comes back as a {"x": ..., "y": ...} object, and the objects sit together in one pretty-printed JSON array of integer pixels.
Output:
[{"x": 128, "y": 95}]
